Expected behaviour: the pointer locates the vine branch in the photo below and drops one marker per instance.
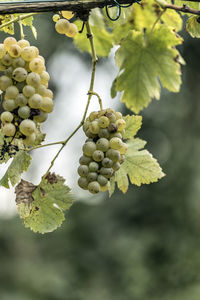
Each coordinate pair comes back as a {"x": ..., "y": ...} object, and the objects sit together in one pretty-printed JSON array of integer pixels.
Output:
[
  {"x": 77, "y": 5},
  {"x": 184, "y": 8}
]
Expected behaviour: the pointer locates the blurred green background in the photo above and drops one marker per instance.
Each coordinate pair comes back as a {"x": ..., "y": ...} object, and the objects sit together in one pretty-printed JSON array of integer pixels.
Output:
[{"x": 144, "y": 245}]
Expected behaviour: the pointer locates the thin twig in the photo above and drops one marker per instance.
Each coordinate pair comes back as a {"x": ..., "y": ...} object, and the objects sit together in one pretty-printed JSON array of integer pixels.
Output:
[
  {"x": 184, "y": 8},
  {"x": 94, "y": 61},
  {"x": 17, "y": 19}
]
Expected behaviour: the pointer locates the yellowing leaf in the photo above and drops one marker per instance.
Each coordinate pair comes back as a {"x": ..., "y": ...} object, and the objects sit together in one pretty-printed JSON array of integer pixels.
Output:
[
  {"x": 193, "y": 26},
  {"x": 20, "y": 163},
  {"x": 133, "y": 124},
  {"x": 42, "y": 207},
  {"x": 145, "y": 61},
  {"x": 139, "y": 166}
]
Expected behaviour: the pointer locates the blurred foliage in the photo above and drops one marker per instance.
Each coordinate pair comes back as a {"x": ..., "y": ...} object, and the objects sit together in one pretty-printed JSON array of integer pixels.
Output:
[{"x": 144, "y": 245}]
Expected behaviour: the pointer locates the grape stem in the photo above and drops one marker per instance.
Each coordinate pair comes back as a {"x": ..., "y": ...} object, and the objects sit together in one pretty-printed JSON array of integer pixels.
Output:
[
  {"x": 18, "y": 19},
  {"x": 90, "y": 94},
  {"x": 99, "y": 98},
  {"x": 21, "y": 28}
]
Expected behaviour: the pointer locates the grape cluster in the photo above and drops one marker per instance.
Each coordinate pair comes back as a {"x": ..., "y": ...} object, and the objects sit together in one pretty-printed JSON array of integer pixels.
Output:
[
  {"x": 27, "y": 101},
  {"x": 103, "y": 151},
  {"x": 63, "y": 26}
]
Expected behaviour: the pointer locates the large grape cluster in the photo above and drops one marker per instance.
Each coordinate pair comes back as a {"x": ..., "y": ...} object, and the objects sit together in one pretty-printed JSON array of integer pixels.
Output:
[
  {"x": 27, "y": 101},
  {"x": 103, "y": 151}
]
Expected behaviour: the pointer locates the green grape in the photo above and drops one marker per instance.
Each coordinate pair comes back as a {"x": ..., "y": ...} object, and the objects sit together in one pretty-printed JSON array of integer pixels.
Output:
[
  {"x": 85, "y": 160},
  {"x": 36, "y": 65},
  {"x": 28, "y": 91},
  {"x": 103, "y": 144},
  {"x": 35, "y": 101},
  {"x": 6, "y": 60},
  {"x": 113, "y": 154},
  {"x": 107, "y": 172},
  {"x": 30, "y": 140},
  {"x": 33, "y": 79},
  {"x": 105, "y": 187},
  {"x": 94, "y": 127},
  {"x": 116, "y": 143},
  {"x": 15, "y": 50},
  {"x": 121, "y": 124},
  {"x": 23, "y": 43},
  {"x": 47, "y": 104},
  {"x": 5, "y": 82},
  {"x": 89, "y": 134},
  {"x": 18, "y": 62},
  {"x": 92, "y": 176},
  {"x": 107, "y": 162},
  {"x": 37, "y": 53},
  {"x": 98, "y": 155},
  {"x": 8, "y": 71},
  {"x": 124, "y": 148},
  {"x": 103, "y": 133},
  {"x": 2, "y": 50},
  {"x": 122, "y": 159},
  {"x": 83, "y": 183},
  {"x": 28, "y": 53},
  {"x": 27, "y": 127},
  {"x": 2, "y": 67},
  {"x": 116, "y": 166},
  {"x": 56, "y": 17},
  {"x": 42, "y": 117},
  {"x": 6, "y": 117},
  {"x": 111, "y": 117},
  {"x": 93, "y": 166},
  {"x": 11, "y": 92},
  {"x": 110, "y": 110},
  {"x": 9, "y": 41},
  {"x": 48, "y": 93},
  {"x": 102, "y": 180},
  {"x": 112, "y": 127},
  {"x": 116, "y": 134},
  {"x": 9, "y": 129},
  {"x": 44, "y": 77},
  {"x": 93, "y": 115},
  {"x": 19, "y": 74},
  {"x": 67, "y": 14},
  {"x": 103, "y": 122},
  {"x": 72, "y": 30},
  {"x": 24, "y": 112},
  {"x": 89, "y": 148},
  {"x": 62, "y": 26},
  {"x": 118, "y": 115},
  {"x": 83, "y": 170},
  {"x": 86, "y": 126},
  {"x": 94, "y": 187},
  {"x": 9, "y": 104},
  {"x": 21, "y": 100}
]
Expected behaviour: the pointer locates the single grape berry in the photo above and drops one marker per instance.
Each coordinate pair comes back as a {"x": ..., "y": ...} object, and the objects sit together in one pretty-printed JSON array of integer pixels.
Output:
[{"x": 94, "y": 187}]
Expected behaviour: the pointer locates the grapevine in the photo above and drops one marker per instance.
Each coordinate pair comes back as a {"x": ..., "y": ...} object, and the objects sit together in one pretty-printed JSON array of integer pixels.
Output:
[{"x": 112, "y": 154}]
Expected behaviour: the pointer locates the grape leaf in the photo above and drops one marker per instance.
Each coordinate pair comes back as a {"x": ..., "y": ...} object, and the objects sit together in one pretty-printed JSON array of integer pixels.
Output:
[
  {"x": 144, "y": 61},
  {"x": 9, "y": 28},
  {"x": 42, "y": 207},
  {"x": 193, "y": 26},
  {"x": 102, "y": 38},
  {"x": 20, "y": 163},
  {"x": 139, "y": 166},
  {"x": 133, "y": 124}
]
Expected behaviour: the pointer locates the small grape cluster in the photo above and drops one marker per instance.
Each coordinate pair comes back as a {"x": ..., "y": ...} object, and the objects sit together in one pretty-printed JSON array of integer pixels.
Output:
[
  {"x": 103, "y": 151},
  {"x": 63, "y": 26},
  {"x": 27, "y": 101}
]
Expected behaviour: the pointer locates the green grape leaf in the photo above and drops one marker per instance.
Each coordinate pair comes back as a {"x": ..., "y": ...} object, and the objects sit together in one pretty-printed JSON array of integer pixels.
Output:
[
  {"x": 139, "y": 166},
  {"x": 5, "y": 19},
  {"x": 145, "y": 61},
  {"x": 20, "y": 163},
  {"x": 133, "y": 124},
  {"x": 102, "y": 38},
  {"x": 193, "y": 26},
  {"x": 42, "y": 207}
]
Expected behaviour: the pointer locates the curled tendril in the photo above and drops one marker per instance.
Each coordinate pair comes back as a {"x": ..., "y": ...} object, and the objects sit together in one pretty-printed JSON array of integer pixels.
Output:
[{"x": 119, "y": 6}]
